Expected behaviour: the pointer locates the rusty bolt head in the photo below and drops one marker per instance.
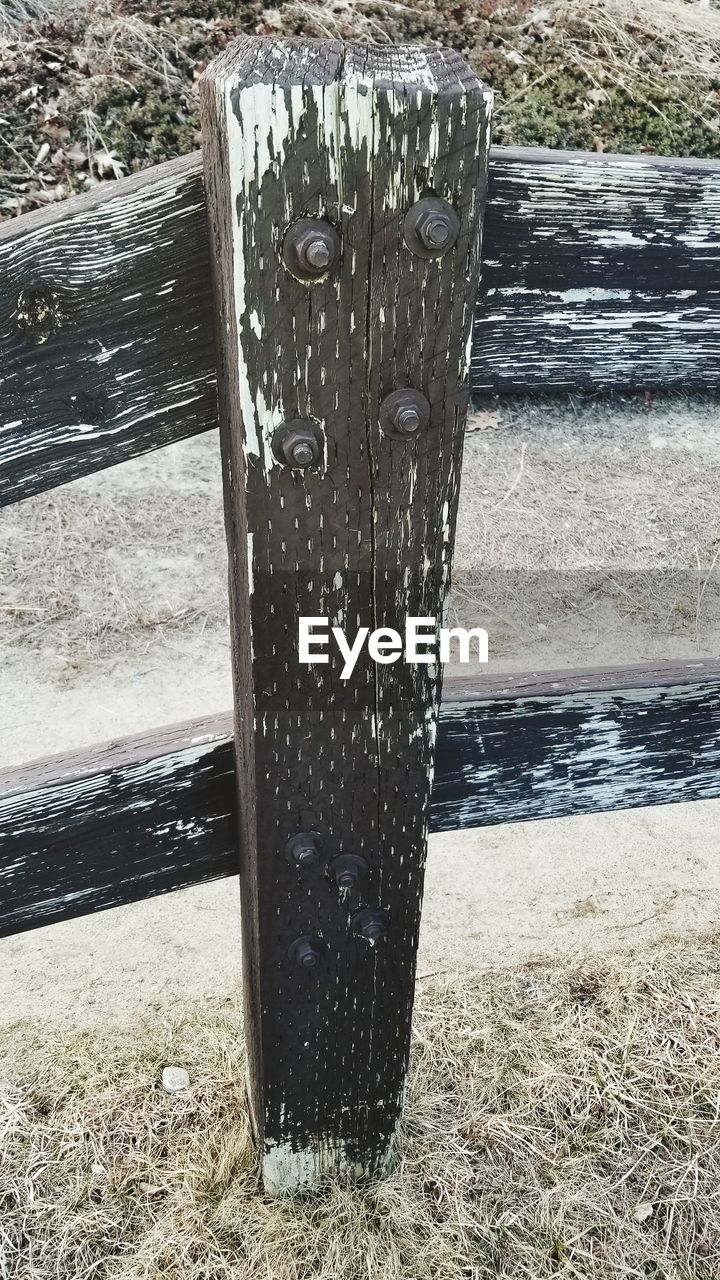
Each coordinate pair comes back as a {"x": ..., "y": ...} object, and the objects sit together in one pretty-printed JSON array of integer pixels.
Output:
[
  {"x": 404, "y": 413},
  {"x": 431, "y": 227},
  {"x": 306, "y": 951},
  {"x": 310, "y": 248},
  {"x": 304, "y": 849},
  {"x": 372, "y": 925},
  {"x": 298, "y": 443}
]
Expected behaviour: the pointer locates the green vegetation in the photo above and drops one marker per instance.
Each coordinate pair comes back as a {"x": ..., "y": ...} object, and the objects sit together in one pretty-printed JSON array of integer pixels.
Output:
[{"x": 92, "y": 89}]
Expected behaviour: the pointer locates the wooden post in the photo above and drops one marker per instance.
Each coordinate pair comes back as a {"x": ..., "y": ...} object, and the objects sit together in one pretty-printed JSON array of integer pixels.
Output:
[{"x": 336, "y": 290}]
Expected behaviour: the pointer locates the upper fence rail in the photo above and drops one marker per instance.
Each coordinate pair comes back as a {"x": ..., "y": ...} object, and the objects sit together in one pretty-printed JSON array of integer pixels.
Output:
[{"x": 599, "y": 272}]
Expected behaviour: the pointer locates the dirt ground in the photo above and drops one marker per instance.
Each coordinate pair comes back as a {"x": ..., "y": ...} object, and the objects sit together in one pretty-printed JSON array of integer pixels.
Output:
[{"x": 589, "y": 532}]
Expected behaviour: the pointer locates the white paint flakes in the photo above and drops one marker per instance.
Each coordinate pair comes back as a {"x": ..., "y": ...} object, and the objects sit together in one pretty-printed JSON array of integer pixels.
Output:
[{"x": 288, "y": 1169}]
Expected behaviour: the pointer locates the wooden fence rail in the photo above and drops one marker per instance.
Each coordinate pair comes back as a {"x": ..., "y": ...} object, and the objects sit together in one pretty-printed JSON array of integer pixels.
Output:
[
  {"x": 123, "y": 822},
  {"x": 598, "y": 272}
]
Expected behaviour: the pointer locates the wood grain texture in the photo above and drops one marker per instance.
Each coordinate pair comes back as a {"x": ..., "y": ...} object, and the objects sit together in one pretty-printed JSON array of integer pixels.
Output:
[
  {"x": 125, "y": 822},
  {"x": 354, "y": 135},
  {"x": 106, "y": 331},
  {"x": 599, "y": 272},
  {"x": 138, "y": 818},
  {"x": 563, "y": 743}
]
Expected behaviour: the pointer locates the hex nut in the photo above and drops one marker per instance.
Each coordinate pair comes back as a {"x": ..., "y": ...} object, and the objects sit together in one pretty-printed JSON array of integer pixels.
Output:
[
  {"x": 404, "y": 414},
  {"x": 306, "y": 951},
  {"x": 431, "y": 227},
  {"x": 371, "y": 925},
  {"x": 298, "y": 443},
  {"x": 348, "y": 870},
  {"x": 311, "y": 247},
  {"x": 303, "y": 849}
]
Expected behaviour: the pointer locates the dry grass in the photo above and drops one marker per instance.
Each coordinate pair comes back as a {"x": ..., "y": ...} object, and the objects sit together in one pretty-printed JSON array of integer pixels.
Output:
[
  {"x": 98, "y": 88},
  {"x": 577, "y": 517},
  {"x": 621, "y": 32},
  {"x": 90, "y": 570},
  {"x": 690, "y": 28},
  {"x": 564, "y": 1120},
  {"x": 594, "y": 521}
]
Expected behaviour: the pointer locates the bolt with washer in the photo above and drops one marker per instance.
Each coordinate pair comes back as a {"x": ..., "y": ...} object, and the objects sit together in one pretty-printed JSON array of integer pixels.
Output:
[
  {"x": 310, "y": 248},
  {"x": 303, "y": 849},
  {"x": 298, "y": 443},
  {"x": 348, "y": 870},
  {"x": 371, "y": 925},
  {"x": 306, "y": 951},
  {"x": 404, "y": 413},
  {"x": 431, "y": 227}
]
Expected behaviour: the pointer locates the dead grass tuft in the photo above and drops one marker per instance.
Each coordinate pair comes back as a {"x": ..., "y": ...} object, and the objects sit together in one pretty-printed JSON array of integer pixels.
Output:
[
  {"x": 626, "y": 32},
  {"x": 563, "y": 1120}
]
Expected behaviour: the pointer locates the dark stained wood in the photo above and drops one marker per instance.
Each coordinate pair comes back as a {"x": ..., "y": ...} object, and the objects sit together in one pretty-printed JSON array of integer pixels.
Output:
[
  {"x": 599, "y": 272},
  {"x": 353, "y": 134},
  {"x": 124, "y": 822},
  {"x": 555, "y": 744},
  {"x": 106, "y": 331},
  {"x": 134, "y": 819},
  {"x": 516, "y": 685}
]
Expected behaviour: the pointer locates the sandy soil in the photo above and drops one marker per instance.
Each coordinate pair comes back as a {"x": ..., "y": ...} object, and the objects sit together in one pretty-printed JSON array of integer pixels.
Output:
[
  {"x": 588, "y": 534},
  {"x": 496, "y": 897}
]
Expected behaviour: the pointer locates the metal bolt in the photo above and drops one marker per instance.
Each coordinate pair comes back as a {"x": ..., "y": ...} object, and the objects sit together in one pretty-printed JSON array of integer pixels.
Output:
[
  {"x": 372, "y": 925},
  {"x": 431, "y": 227},
  {"x": 404, "y": 413},
  {"x": 298, "y": 443},
  {"x": 303, "y": 453},
  {"x": 408, "y": 421},
  {"x": 303, "y": 849},
  {"x": 306, "y": 951},
  {"x": 310, "y": 248},
  {"x": 319, "y": 255},
  {"x": 435, "y": 232},
  {"x": 348, "y": 869}
]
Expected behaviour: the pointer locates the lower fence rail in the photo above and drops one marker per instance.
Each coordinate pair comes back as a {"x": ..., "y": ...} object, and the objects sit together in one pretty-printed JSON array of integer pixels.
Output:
[{"x": 156, "y": 812}]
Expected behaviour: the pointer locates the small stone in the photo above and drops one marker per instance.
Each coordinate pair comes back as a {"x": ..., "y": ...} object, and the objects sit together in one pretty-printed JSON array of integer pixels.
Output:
[
  {"x": 175, "y": 1079},
  {"x": 643, "y": 1211}
]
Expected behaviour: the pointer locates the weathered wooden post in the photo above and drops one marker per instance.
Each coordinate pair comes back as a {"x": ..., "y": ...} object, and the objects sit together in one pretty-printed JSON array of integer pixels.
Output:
[{"x": 345, "y": 189}]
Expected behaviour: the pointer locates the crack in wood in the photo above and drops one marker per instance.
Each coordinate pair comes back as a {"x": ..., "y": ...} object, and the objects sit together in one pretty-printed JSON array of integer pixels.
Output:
[{"x": 368, "y": 536}]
